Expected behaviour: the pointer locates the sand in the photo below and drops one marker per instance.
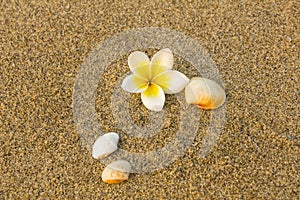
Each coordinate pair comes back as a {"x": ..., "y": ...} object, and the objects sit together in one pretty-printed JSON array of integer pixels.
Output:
[{"x": 255, "y": 46}]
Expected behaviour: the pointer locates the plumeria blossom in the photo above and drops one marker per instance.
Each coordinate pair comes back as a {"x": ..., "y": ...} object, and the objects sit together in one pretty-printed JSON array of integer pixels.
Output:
[{"x": 153, "y": 78}]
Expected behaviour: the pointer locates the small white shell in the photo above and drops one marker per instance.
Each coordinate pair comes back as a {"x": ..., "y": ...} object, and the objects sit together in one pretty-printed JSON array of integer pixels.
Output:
[
  {"x": 105, "y": 145},
  {"x": 207, "y": 94},
  {"x": 116, "y": 172}
]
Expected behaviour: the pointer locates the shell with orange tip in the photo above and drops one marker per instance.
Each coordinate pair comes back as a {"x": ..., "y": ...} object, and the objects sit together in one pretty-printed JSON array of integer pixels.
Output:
[
  {"x": 116, "y": 172},
  {"x": 205, "y": 93}
]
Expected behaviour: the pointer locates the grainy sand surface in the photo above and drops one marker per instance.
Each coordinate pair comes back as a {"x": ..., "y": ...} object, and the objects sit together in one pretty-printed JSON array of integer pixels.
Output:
[{"x": 254, "y": 44}]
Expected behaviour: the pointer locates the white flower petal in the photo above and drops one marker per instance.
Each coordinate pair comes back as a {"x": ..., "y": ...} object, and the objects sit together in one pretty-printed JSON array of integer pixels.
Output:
[
  {"x": 153, "y": 97},
  {"x": 164, "y": 58},
  {"x": 144, "y": 71},
  {"x": 134, "y": 84},
  {"x": 171, "y": 81},
  {"x": 156, "y": 70},
  {"x": 137, "y": 59}
]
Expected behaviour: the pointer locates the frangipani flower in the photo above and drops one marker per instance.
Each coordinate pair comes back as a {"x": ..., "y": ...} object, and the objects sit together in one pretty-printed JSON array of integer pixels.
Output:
[{"x": 153, "y": 78}]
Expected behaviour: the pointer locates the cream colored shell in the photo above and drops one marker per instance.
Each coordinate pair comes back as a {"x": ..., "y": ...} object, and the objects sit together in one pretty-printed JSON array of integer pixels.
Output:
[
  {"x": 205, "y": 93},
  {"x": 116, "y": 172},
  {"x": 105, "y": 145}
]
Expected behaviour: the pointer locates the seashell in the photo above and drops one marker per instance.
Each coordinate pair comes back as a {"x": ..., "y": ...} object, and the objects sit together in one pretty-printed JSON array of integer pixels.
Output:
[
  {"x": 207, "y": 94},
  {"x": 116, "y": 172},
  {"x": 105, "y": 145}
]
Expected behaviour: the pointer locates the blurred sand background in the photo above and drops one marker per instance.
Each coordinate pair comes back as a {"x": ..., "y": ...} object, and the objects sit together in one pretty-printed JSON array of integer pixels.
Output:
[{"x": 254, "y": 44}]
